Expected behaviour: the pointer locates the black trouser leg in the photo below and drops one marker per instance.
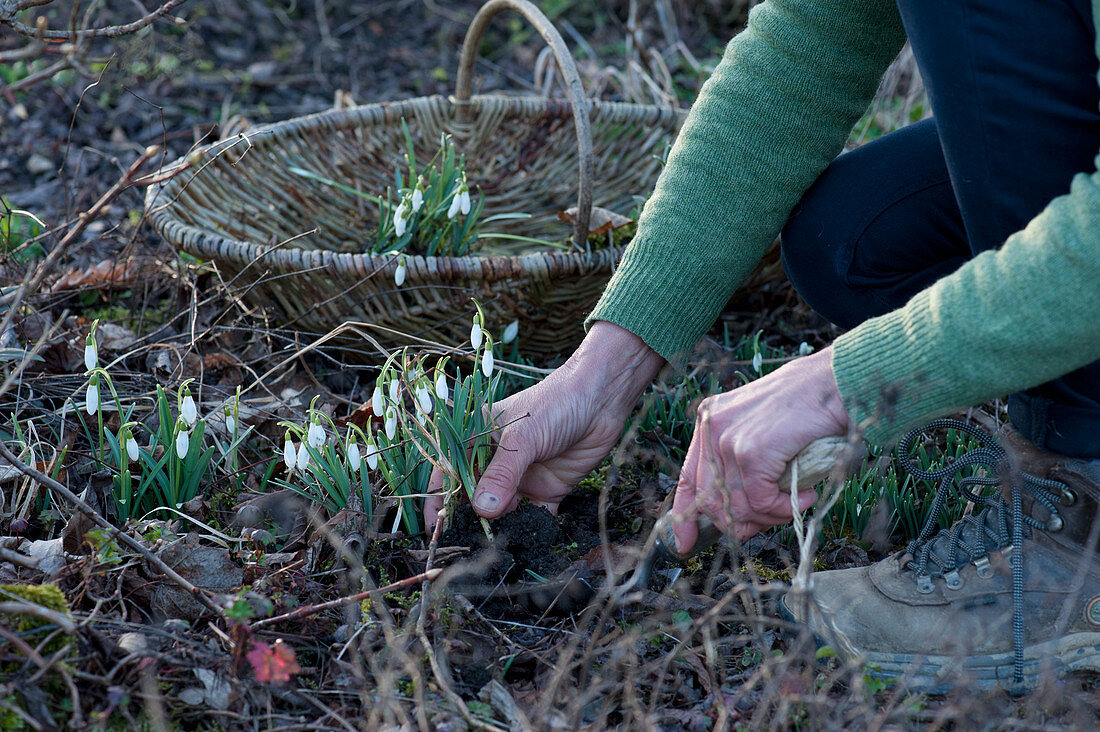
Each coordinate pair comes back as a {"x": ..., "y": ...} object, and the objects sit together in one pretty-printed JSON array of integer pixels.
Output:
[{"x": 1014, "y": 92}]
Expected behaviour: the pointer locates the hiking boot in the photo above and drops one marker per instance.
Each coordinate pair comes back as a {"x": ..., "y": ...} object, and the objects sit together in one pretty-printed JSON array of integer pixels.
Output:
[{"x": 1007, "y": 594}]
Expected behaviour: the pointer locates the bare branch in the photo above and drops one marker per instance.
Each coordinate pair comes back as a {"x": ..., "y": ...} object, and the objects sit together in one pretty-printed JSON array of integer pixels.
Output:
[{"x": 112, "y": 31}]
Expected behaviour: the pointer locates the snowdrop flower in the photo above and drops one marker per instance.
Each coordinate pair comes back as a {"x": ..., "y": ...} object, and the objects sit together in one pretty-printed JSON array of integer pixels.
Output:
[
  {"x": 290, "y": 453},
  {"x": 391, "y": 423},
  {"x": 354, "y": 460},
  {"x": 757, "y": 362},
  {"x": 805, "y": 349},
  {"x": 394, "y": 386},
  {"x": 487, "y": 360},
  {"x": 510, "y": 332},
  {"x": 475, "y": 334},
  {"x": 461, "y": 200},
  {"x": 303, "y": 456},
  {"x": 91, "y": 404},
  {"x": 128, "y": 441},
  {"x": 188, "y": 410},
  {"x": 456, "y": 204},
  {"x": 91, "y": 352},
  {"x": 441, "y": 389},
  {"x": 400, "y": 272},
  {"x": 418, "y": 196},
  {"x": 315, "y": 436},
  {"x": 372, "y": 453},
  {"x": 230, "y": 423},
  {"x": 376, "y": 399},
  {"x": 400, "y": 223},
  {"x": 462, "y": 197},
  {"x": 424, "y": 397},
  {"x": 183, "y": 440}
]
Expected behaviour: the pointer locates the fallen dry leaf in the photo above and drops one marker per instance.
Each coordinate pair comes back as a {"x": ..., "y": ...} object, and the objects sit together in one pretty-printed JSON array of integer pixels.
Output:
[
  {"x": 275, "y": 663},
  {"x": 600, "y": 222},
  {"x": 108, "y": 273},
  {"x": 362, "y": 417}
]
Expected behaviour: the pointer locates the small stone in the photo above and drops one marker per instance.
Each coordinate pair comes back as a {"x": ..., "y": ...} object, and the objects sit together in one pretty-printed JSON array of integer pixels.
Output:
[
  {"x": 134, "y": 643},
  {"x": 39, "y": 164},
  {"x": 193, "y": 696}
]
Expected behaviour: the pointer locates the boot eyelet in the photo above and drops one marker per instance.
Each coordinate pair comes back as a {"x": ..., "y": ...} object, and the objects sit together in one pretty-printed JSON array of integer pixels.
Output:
[
  {"x": 924, "y": 584},
  {"x": 1054, "y": 523},
  {"x": 1069, "y": 497},
  {"x": 985, "y": 569},
  {"x": 953, "y": 580}
]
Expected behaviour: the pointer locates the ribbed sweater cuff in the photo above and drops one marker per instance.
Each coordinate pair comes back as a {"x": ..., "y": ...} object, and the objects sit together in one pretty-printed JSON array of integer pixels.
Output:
[
  {"x": 648, "y": 297},
  {"x": 874, "y": 369}
]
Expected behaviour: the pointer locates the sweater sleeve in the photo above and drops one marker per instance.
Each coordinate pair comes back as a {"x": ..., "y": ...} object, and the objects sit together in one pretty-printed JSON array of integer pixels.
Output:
[
  {"x": 1007, "y": 320},
  {"x": 775, "y": 112}
]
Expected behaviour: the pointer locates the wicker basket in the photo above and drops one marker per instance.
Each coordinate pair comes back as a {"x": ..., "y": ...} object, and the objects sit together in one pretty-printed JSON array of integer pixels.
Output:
[{"x": 281, "y": 240}]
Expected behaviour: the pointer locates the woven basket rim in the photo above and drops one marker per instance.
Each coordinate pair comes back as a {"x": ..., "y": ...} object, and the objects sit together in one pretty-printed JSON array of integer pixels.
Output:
[{"x": 196, "y": 239}]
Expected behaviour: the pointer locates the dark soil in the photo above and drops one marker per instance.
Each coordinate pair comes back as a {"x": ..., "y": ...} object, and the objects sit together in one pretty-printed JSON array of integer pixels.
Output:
[{"x": 532, "y": 547}]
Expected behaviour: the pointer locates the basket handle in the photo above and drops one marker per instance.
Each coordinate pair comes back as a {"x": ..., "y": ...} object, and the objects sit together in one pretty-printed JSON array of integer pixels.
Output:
[{"x": 465, "y": 83}]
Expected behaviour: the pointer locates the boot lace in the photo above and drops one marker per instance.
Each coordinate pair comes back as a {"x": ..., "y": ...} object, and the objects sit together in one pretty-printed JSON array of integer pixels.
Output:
[{"x": 992, "y": 526}]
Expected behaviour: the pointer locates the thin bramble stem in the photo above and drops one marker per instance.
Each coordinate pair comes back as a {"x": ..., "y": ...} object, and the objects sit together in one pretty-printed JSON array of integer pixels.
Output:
[{"x": 304, "y": 612}]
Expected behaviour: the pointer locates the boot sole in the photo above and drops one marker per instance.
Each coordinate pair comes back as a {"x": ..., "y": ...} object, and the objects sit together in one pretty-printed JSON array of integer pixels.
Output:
[{"x": 937, "y": 675}]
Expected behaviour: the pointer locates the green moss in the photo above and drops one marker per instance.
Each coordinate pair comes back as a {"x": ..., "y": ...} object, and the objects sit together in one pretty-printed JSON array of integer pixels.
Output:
[
  {"x": 594, "y": 481},
  {"x": 139, "y": 320},
  {"x": 9, "y": 720},
  {"x": 48, "y": 596}
]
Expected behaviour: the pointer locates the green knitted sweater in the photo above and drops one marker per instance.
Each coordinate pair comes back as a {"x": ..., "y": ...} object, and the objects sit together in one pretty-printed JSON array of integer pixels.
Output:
[{"x": 776, "y": 111}]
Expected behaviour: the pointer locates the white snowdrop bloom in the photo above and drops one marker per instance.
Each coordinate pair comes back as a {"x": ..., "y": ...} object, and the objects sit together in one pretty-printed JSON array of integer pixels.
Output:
[
  {"x": 354, "y": 460},
  {"x": 376, "y": 401},
  {"x": 131, "y": 446},
  {"x": 183, "y": 444},
  {"x": 391, "y": 423},
  {"x": 400, "y": 273},
  {"x": 441, "y": 389},
  {"x": 487, "y": 362},
  {"x": 475, "y": 335},
  {"x": 91, "y": 404},
  {"x": 230, "y": 423},
  {"x": 510, "y": 332},
  {"x": 399, "y": 221},
  {"x": 417, "y": 198},
  {"x": 424, "y": 396},
  {"x": 456, "y": 205},
  {"x": 290, "y": 453},
  {"x": 188, "y": 410},
  {"x": 464, "y": 201},
  {"x": 372, "y": 455},
  {"x": 805, "y": 349},
  {"x": 757, "y": 362},
  {"x": 395, "y": 385},
  {"x": 91, "y": 356},
  {"x": 315, "y": 436},
  {"x": 420, "y": 417},
  {"x": 303, "y": 456}
]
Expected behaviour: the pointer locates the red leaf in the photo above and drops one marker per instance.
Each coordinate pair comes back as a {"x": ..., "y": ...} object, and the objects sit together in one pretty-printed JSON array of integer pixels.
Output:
[{"x": 273, "y": 663}]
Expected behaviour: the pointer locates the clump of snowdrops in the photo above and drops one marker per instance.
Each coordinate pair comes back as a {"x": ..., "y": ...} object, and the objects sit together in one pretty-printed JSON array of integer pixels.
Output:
[
  {"x": 426, "y": 413},
  {"x": 154, "y": 470}
]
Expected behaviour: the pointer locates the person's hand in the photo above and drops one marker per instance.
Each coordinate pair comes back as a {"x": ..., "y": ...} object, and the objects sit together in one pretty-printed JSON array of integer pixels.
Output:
[
  {"x": 554, "y": 433},
  {"x": 743, "y": 441}
]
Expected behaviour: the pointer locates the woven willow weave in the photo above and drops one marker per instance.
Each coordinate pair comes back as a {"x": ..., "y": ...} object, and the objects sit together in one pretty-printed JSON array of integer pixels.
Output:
[{"x": 288, "y": 242}]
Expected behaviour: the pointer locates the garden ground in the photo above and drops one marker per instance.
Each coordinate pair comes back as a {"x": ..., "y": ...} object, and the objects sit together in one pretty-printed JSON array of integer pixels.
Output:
[{"x": 325, "y": 617}]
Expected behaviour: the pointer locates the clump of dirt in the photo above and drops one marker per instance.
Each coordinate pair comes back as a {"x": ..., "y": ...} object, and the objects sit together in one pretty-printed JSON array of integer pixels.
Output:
[
  {"x": 523, "y": 543},
  {"x": 531, "y": 544}
]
